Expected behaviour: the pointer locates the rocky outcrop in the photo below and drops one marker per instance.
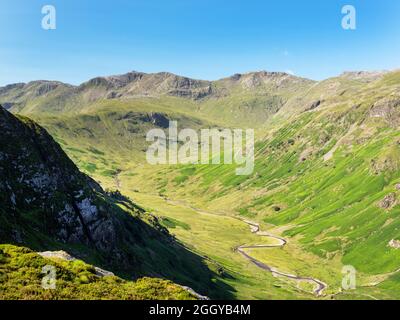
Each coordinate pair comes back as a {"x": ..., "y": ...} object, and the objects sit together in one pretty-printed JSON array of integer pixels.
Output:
[
  {"x": 314, "y": 105},
  {"x": 157, "y": 119},
  {"x": 388, "y": 202},
  {"x": 45, "y": 87},
  {"x": 194, "y": 293},
  {"x": 67, "y": 257},
  {"x": 7, "y": 105},
  {"x": 37, "y": 177},
  {"x": 57, "y": 254},
  {"x": 363, "y": 76},
  {"x": 395, "y": 244},
  {"x": 258, "y": 79},
  {"x": 387, "y": 109}
]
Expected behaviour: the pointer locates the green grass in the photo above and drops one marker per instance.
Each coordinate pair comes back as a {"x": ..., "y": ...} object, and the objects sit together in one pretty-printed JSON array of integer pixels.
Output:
[
  {"x": 171, "y": 223},
  {"x": 215, "y": 237},
  {"x": 21, "y": 279}
]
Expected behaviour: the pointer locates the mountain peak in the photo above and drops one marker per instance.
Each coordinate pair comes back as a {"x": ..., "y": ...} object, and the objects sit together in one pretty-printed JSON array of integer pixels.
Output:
[
  {"x": 251, "y": 80},
  {"x": 139, "y": 84},
  {"x": 261, "y": 74}
]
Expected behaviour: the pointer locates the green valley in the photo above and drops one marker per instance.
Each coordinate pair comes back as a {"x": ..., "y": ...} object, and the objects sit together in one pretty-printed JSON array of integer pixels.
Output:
[{"x": 326, "y": 177}]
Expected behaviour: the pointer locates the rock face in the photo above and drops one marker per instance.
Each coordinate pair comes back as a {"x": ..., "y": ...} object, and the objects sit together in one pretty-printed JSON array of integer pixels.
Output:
[
  {"x": 157, "y": 119},
  {"x": 37, "y": 177},
  {"x": 7, "y": 105},
  {"x": 314, "y": 105},
  {"x": 256, "y": 79},
  {"x": 387, "y": 109}
]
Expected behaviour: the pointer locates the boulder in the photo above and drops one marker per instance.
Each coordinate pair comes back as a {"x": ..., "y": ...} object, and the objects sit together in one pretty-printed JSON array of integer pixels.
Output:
[
  {"x": 394, "y": 244},
  {"x": 388, "y": 202}
]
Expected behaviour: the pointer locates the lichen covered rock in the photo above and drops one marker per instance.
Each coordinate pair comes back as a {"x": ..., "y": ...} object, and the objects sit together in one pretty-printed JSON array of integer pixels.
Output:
[
  {"x": 388, "y": 202},
  {"x": 42, "y": 191},
  {"x": 394, "y": 244}
]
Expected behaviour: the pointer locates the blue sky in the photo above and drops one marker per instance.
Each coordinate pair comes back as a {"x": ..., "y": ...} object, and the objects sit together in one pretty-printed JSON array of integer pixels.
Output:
[{"x": 207, "y": 39}]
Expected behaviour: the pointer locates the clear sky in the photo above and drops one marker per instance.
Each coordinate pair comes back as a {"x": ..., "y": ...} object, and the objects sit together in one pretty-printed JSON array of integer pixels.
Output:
[{"x": 206, "y": 39}]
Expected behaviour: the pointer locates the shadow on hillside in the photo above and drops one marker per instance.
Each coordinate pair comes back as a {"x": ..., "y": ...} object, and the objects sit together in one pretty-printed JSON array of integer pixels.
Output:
[
  {"x": 165, "y": 257},
  {"x": 146, "y": 250}
]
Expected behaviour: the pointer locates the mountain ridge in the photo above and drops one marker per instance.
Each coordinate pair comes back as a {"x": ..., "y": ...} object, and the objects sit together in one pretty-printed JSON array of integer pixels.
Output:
[
  {"x": 137, "y": 74},
  {"x": 139, "y": 84},
  {"x": 234, "y": 92}
]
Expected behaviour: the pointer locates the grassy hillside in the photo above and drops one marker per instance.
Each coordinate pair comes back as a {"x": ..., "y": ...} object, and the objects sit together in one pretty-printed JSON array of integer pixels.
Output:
[
  {"x": 329, "y": 177},
  {"x": 21, "y": 274},
  {"x": 336, "y": 165}
]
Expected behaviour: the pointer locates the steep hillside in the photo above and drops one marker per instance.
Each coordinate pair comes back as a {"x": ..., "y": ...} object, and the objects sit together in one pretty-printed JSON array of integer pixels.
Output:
[
  {"x": 327, "y": 177},
  {"x": 48, "y": 204},
  {"x": 330, "y": 175},
  {"x": 121, "y": 128},
  {"x": 249, "y": 100},
  {"x": 111, "y": 115}
]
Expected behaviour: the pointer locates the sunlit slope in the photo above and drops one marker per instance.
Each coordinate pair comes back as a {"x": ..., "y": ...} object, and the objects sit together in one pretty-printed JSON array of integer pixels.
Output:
[
  {"x": 21, "y": 276},
  {"x": 331, "y": 174},
  {"x": 112, "y": 139}
]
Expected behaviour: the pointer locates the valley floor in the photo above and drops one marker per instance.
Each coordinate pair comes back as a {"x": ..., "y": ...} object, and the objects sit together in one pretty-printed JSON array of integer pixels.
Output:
[{"x": 221, "y": 238}]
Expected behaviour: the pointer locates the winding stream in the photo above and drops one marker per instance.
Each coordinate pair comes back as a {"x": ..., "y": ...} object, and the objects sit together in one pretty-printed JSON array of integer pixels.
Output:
[
  {"x": 255, "y": 228},
  {"x": 319, "y": 286}
]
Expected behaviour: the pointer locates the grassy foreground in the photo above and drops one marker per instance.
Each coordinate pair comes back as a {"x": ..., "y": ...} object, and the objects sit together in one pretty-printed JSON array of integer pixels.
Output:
[{"x": 21, "y": 278}]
